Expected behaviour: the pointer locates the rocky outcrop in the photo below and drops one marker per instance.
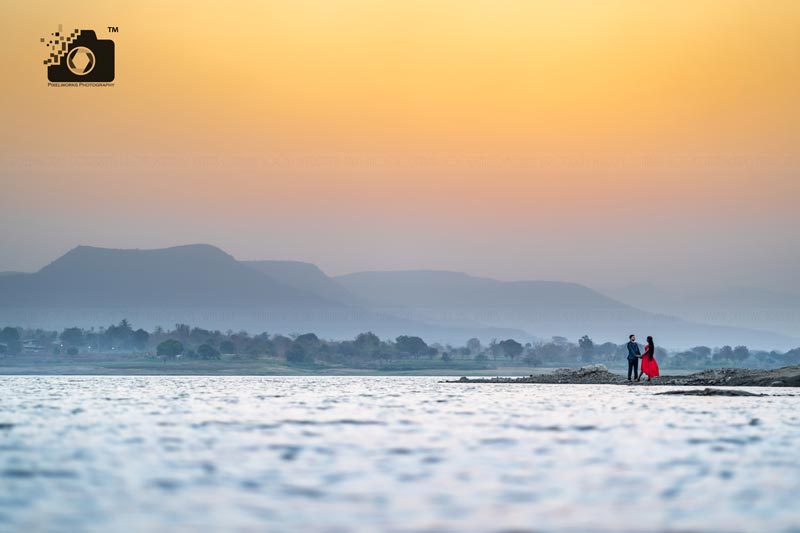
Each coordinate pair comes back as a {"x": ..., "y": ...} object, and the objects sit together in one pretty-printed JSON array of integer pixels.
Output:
[
  {"x": 709, "y": 392},
  {"x": 599, "y": 375}
]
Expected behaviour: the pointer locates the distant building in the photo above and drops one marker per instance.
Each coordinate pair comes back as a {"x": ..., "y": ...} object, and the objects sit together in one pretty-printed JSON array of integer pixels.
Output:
[{"x": 31, "y": 346}]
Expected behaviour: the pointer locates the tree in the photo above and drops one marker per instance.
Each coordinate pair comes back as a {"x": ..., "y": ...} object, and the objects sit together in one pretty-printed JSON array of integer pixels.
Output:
[
  {"x": 308, "y": 340},
  {"x": 296, "y": 354},
  {"x": 9, "y": 335},
  {"x": 182, "y": 331},
  {"x": 170, "y": 348},
  {"x": 119, "y": 335},
  {"x": 494, "y": 349},
  {"x": 72, "y": 350},
  {"x": 792, "y": 357},
  {"x": 510, "y": 348},
  {"x": 281, "y": 344},
  {"x": 723, "y": 354},
  {"x": 702, "y": 352},
  {"x": 206, "y": 351},
  {"x": 740, "y": 353},
  {"x": 310, "y": 345},
  {"x": 139, "y": 339},
  {"x": 227, "y": 346},
  {"x": 587, "y": 348},
  {"x": 368, "y": 344},
  {"x": 15, "y": 347},
  {"x": 474, "y": 346},
  {"x": 347, "y": 349},
  {"x": 411, "y": 345},
  {"x": 72, "y": 336},
  {"x": 92, "y": 341},
  {"x": 533, "y": 359},
  {"x": 11, "y": 338}
]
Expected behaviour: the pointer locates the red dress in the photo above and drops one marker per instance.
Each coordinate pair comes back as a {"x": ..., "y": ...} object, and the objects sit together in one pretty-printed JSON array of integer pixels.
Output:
[{"x": 649, "y": 364}]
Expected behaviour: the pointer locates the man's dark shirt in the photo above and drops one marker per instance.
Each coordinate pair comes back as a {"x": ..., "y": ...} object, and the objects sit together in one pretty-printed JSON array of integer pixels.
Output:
[{"x": 633, "y": 350}]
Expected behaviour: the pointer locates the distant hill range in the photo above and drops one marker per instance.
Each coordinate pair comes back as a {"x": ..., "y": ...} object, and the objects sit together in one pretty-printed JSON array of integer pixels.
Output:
[
  {"x": 306, "y": 277},
  {"x": 204, "y": 286},
  {"x": 749, "y": 307},
  {"x": 187, "y": 276},
  {"x": 542, "y": 308}
]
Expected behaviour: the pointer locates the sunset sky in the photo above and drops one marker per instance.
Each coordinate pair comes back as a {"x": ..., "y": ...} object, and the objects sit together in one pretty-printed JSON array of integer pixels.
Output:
[{"x": 603, "y": 142}]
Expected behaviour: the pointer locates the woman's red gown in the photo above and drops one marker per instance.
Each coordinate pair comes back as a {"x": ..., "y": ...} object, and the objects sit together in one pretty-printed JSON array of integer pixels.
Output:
[{"x": 649, "y": 364}]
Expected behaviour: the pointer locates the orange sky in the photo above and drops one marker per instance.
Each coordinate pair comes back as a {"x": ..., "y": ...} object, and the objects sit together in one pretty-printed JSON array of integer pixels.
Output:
[{"x": 515, "y": 139}]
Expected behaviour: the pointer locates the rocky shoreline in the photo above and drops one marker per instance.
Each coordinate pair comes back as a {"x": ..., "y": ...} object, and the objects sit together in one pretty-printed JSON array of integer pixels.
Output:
[{"x": 599, "y": 375}]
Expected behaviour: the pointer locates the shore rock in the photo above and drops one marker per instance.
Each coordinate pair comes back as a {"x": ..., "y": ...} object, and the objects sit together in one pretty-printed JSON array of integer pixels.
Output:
[
  {"x": 710, "y": 392},
  {"x": 599, "y": 375}
]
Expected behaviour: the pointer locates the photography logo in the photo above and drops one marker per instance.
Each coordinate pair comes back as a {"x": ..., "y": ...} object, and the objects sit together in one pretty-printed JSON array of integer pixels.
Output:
[{"x": 79, "y": 57}]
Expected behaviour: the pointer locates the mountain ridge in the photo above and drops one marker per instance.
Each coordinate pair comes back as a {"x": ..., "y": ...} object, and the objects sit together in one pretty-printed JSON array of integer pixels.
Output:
[
  {"x": 204, "y": 285},
  {"x": 197, "y": 284},
  {"x": 186, "y": 275}
]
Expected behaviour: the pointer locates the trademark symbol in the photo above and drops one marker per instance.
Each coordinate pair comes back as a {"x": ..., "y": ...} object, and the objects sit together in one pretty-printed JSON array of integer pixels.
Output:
[{"x": 113, "y": 29}]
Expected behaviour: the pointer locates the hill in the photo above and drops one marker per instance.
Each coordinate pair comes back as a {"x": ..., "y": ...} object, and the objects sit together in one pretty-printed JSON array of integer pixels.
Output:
[
  {"x": 204, "y": 286},
  {"x": 183, "y": 276},
  {"x": 307, "y": 277},
  {"x": 747, "y": 307},
  {"x": 542, "y": 308}
]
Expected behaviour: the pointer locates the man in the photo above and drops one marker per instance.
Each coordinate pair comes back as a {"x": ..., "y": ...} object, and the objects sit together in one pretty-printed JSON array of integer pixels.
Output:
[{"x": 633, "y": 358}]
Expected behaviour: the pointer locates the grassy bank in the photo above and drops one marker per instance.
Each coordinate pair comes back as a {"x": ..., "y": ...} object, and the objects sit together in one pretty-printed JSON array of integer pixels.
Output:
[
  {"x": 229, "y": 366},
  {"x": 123, "y": 365}
]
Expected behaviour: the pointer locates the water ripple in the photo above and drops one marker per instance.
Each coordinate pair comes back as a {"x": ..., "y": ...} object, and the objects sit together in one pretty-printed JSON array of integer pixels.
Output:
[{"x": 398, "y": 454}]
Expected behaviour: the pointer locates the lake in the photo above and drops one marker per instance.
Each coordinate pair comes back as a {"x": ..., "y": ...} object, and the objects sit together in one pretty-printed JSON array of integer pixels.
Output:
[{"x": 390, "y": 453}]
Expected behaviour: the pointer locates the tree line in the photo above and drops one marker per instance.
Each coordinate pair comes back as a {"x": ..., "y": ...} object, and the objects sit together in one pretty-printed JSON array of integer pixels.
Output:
[{"x": 366, "y": 349}]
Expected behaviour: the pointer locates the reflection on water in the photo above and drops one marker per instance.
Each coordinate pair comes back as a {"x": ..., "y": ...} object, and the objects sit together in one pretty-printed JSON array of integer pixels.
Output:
[{"x": 365, "y": 454}]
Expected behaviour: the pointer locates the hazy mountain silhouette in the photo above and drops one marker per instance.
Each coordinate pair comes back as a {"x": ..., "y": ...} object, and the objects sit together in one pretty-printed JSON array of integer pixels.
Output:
[
  {"x": 542, "y": 308},
  {"x": 436, "y": 288},
  {"x": 307, "y": 277},
  {"x": 183, "y": 276},
  {"x": 204, "y": 286},
  {"x": 727, "y": 296},
  {"x": 750, "y": 307}
]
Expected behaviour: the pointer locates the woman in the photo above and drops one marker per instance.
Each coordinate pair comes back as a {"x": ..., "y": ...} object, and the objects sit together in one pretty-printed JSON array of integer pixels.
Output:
[{"x": 649, "y": 364}]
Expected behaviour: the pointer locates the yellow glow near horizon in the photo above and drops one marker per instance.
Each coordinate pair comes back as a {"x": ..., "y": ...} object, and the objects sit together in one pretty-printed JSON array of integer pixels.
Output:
[
  {"x": 557, "y": 74},
  {"x": 494, "y": 105}
]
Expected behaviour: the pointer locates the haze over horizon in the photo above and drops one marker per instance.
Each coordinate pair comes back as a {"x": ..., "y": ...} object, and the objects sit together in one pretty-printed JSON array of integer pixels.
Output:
[
  {"x": 204, "y": 285},
  {"x": 605, "y": 143},
  {"x": 399, "y": 265},
  {"x": 623, "y": 285}
]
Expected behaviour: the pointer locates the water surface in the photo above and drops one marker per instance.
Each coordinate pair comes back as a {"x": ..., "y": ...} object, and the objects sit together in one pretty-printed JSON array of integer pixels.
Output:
[{"x": 390, "y": 453}]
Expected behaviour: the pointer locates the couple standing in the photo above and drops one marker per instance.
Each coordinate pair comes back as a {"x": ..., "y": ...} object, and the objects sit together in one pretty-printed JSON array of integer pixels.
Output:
[{"x": 649, "y": 364}]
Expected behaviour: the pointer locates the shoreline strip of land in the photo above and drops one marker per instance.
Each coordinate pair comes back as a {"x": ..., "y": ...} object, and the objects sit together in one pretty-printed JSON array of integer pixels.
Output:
[{"x": 600, "y": 375}]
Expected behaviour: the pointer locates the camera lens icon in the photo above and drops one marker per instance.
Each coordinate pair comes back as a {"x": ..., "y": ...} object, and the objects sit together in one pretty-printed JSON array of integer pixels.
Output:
[
  {"x": 80, "y": 61},
  {"x": 79, "y": 57}
]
